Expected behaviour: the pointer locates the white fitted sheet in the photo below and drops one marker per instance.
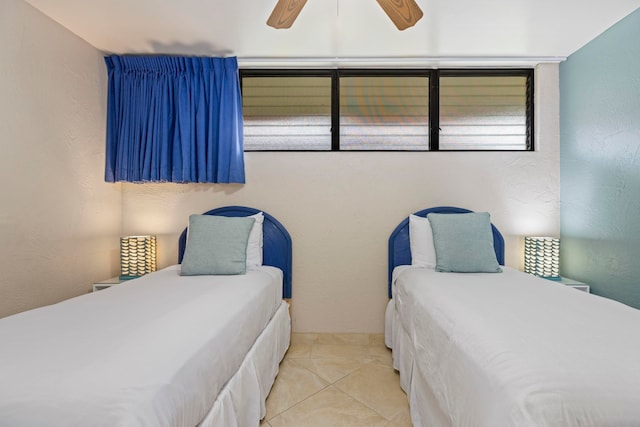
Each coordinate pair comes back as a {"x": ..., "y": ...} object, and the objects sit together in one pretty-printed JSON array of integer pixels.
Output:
[
  {"x": 511, "y": 349},
  {"x": 156, "y": 351}
]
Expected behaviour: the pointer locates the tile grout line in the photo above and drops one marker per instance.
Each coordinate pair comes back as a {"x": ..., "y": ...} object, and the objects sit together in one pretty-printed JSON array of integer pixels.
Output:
[
  {"x": 362, "y": 361},
  {"x": 362, "y": 364},
  {"x": 303, "y": 400},
  {"x": 367, "y": 405},
  {"x": 311, "y": 395},
  {"x": 329, "y": 384}
]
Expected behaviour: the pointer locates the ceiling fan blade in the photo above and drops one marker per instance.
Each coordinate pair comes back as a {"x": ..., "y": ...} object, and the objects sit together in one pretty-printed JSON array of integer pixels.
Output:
[
  {"x": 403, "y": 13},
  {"x": 285, "y": 12}
]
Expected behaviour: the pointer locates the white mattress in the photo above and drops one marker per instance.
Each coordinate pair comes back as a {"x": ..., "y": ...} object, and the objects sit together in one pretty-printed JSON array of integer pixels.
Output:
[
  {"x": 156, "y": 351},
  {"x": 511, "y": 349}
]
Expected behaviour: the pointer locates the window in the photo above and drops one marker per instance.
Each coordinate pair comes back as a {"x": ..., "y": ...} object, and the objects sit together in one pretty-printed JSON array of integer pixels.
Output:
[
  {"x": 387, "y": 110},
  {"x": 480, "y": 111},
  {"x": 382, "y": 111},
  {"x": 287, "y": 110}
]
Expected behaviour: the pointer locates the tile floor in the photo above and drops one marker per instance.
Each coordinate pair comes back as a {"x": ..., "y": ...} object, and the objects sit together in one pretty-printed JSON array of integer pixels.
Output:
[{"x": 337, "y": 380}]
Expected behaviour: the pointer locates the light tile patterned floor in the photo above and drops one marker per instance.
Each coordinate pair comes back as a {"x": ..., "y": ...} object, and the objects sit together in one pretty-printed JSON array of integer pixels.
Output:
[{"x": 337, "y": 380}]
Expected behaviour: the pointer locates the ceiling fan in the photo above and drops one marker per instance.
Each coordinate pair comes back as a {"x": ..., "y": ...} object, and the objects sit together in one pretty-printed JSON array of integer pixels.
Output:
[{"x": 403, "y": 13}]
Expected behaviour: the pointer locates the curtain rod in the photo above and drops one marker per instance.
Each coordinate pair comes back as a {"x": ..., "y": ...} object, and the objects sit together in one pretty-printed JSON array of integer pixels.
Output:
[{"x": 401, "y": 60}]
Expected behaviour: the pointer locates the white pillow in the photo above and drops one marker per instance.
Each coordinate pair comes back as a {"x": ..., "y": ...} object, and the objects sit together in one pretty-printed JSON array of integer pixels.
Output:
[
  {"x": 254, "y": 245},
  {"x": 423, "y": 252}
]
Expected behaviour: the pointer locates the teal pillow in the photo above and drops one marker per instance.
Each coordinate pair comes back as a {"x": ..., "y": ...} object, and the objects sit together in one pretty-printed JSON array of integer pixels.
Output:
[
  {"x": 216, "y": 245},
  {"x": 464, "y": 243}
]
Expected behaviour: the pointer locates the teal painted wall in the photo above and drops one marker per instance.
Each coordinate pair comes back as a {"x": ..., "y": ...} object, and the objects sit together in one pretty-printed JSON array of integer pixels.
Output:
[{"x": 600, "y": 163}]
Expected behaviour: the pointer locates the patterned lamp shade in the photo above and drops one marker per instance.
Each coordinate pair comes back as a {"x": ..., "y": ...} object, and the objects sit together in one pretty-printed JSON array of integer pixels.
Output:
[
  {"x": 137, "y": 256},
  {"x": 542, "y": 257}
]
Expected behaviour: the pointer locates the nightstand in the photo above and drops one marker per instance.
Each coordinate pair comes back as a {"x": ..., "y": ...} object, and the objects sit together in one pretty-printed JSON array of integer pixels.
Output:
[
  {"x": 575, "y": 284},
  {"x": 104, "y": 284}
]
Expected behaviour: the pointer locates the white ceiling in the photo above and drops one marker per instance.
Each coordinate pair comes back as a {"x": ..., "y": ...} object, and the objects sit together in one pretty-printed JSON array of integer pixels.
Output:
[{"x": 466, "y": 30}]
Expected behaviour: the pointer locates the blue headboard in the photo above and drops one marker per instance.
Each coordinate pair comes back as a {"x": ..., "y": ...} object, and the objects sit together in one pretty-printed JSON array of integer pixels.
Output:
[
  {"x": 400, "y": 251},
  {"x": 276, "y": 250}
]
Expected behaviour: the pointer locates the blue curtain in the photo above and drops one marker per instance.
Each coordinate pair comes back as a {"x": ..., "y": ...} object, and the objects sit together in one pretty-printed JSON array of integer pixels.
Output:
[{"x": 174, "y": 119}]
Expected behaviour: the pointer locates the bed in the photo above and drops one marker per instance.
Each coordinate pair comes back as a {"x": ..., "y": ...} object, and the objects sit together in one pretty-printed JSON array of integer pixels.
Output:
[
  {"x": 166, "y": 349},
  {"x": 505, "y": 348}
]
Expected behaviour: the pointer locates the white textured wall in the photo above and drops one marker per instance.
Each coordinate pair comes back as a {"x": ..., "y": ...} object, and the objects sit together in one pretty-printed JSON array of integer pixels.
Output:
[
  {"x": 341, "y": 207},
  {"x": 59, "y": 221}
]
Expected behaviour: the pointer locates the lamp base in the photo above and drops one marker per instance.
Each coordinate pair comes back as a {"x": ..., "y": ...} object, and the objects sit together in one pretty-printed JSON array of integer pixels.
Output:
[
  {"x": 554, "y": 278},
  {"x": 128, "y": 277}
]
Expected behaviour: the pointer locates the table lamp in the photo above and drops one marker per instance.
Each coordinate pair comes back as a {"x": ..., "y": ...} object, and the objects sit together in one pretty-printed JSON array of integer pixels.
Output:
[
  {"x": 542, "y": 257},
  {"x": 137, "y": 256}
]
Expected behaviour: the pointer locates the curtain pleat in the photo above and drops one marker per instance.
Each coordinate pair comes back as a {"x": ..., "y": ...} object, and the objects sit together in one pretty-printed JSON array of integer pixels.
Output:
[{"x": 174, "y": 119}]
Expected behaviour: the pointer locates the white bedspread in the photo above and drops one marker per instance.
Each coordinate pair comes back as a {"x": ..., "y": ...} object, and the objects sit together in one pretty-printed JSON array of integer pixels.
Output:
[
  {"x": 514, "y": 350},
  {"x": 153, "y": 352}
]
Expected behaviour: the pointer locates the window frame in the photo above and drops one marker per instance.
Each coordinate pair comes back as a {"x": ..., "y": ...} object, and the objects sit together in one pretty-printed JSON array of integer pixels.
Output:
[{"x": 434, "y": 98}]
